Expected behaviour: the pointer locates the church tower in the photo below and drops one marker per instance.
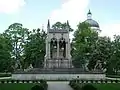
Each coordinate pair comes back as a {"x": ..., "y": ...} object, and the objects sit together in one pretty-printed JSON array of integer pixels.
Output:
[{"x": 57, "y": 48}]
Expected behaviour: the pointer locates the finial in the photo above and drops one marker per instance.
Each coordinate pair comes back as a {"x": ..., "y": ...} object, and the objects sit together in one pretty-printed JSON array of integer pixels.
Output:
[
  {"x": 89, "y": 15},
  {"x": 89, "y": 12},
  {"x": 48, "y": 25}
]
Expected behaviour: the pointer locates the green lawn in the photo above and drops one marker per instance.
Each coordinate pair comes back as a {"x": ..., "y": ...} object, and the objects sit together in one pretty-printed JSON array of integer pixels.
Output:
[
  {"x": 107, "y": 86},
  {"x": 27, "y": 86},
  {"x": 14, "y": 86}
]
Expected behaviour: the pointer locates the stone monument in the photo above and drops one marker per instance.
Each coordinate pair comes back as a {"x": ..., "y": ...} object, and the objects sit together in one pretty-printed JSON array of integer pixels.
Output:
[{"x": 57, "y": 48}]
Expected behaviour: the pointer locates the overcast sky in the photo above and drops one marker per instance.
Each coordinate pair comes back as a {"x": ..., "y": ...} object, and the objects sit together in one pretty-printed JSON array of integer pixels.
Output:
[{"x": 34, "y": 13}]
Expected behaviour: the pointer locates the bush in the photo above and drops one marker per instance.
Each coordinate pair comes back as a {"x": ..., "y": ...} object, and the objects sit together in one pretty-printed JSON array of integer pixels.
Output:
[
  {"x": 88, "y": 87},
  {"x": 113, "y": 76},
  {"x": 38, "y": 87},
  {"x": 5, "y": 75},
  {"x": 72, "y": 83},
  {"x": 2, "y": 81},
  {"x": 77, "y": 87}
]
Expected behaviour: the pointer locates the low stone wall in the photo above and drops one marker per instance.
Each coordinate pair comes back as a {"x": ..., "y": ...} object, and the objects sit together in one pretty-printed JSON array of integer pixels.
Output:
[{"x": 58, "y": 76}]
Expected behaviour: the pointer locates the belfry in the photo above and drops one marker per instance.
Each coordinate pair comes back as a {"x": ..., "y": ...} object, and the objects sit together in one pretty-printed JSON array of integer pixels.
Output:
[{"x": 57, "y": 48}]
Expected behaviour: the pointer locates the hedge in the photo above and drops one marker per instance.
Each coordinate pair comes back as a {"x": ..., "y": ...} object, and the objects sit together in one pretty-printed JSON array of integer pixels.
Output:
[
  {"x": 5, "y": 75},
  {"x": 113, "y": 76}
]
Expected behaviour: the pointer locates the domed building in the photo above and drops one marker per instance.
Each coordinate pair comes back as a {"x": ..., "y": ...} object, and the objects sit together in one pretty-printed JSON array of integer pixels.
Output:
[{"x": 93, "y": 24}]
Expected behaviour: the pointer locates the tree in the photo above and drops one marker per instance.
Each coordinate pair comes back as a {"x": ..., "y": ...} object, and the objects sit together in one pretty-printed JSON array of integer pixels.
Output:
[
  {"x": 60, "y": 25},
  {"x": 114, "y": 62},
  {"x": 83, "y": 44},
  {"x": 18, "y": 35},
  {"x": 35, "y": 48},
  {"x": 101, "y": 52},
  {"x": 5, "y": 53}
]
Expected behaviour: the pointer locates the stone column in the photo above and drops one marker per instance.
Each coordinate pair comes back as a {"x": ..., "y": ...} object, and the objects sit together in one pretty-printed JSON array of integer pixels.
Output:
[
  {"x": 49, "y": 50},
  {"x": 58, "y": 49},
  {"x": 46, "y": 49},
  {"x": 66, "y": 49},
  {"x": 69, "y": 55},
  {"x": 69, "y": 49}
]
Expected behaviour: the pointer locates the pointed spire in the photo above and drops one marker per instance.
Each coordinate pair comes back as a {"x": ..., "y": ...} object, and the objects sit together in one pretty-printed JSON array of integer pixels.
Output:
[
  {"x": 67, "y": 23},
  {"x": 67, "y": 27},
  {"x": 48, "y": 25},
  {"x": 42, "y": 26},
  {"x": 89, "y": 15}
]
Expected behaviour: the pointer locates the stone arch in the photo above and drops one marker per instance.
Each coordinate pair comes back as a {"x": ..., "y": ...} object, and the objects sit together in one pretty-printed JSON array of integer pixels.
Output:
[
  {"x": 62, "y": 47},
  {"x": 53, "y": 47}
]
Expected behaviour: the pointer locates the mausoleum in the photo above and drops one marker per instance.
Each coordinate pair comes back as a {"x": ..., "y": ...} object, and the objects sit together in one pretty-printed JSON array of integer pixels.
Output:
[{"x": 57, "y": 48}]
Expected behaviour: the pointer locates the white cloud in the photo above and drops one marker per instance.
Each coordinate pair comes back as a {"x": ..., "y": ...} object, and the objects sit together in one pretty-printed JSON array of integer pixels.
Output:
[
  {"x": 110, "y": 30},
  {"x": 10, "y": 6},
  {"x": 72, "y": 10}
]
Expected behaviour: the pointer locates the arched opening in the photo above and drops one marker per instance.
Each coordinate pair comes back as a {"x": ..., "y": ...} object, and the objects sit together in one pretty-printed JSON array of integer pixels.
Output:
[
  {"x": 53, "y": 48},
  {"x": 62, "y": 48}
]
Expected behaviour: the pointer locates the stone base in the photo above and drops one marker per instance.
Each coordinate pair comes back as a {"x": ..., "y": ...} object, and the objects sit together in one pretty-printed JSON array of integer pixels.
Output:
[
  {"x": 58, "y": 76},
  {"x": 58, "y": 63}
]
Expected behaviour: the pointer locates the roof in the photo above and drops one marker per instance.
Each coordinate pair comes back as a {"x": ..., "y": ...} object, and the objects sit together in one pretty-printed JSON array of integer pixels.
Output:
[
  {"x": 92, "y": 23},
  {"x": 57, "y": 31}
]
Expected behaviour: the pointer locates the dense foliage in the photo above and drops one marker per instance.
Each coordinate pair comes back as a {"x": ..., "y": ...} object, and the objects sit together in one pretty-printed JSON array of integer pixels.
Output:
[
  {"x": 60, "y": 25},
  {"x": 93, "y": 52},
  {"x": 35, "y": 48},
  {"x": 83, "y": 44}
]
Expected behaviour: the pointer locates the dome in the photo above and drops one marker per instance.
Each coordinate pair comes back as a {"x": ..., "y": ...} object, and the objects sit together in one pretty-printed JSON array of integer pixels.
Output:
[{"x": 92, "y": 23}]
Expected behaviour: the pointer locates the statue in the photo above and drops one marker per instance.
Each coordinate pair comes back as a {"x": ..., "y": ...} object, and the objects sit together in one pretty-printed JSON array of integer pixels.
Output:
[
  {"x": 98, "y": 65},
  {"x": 29, "y": 68}
]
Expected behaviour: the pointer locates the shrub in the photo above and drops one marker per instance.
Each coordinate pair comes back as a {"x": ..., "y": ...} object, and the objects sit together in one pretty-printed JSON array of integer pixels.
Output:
[
  {"x": 17, "y": 81},
  {"x": 91, "y": 81},
  {"x": 72, "y": 83},
  {"x": 37, "y": 87},
  {"x": 116, "y": 81},
  {"x": 101, "y": 81},
  {"x": 2, "y": 81},
  {"x": 27, "y": 81},
  {"x": 106, "y": 81},
  {"x": 5, "y": 75},
  {"x": 76, "y": 87},
  {"x": 111, "y": 81},
  {"x": 89, "y": 87},
  {"x": 12, "y": 81}
]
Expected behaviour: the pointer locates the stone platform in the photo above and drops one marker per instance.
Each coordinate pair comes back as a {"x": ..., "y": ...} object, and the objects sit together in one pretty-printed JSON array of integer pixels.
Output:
[{"x": 57, "y": 74}]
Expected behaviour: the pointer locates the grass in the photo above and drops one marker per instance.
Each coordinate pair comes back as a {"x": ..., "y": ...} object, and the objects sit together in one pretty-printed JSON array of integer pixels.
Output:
[
  {"x": 17, "y": 86},
  {"x": 108, "y": 86},
  {"x": 28, "y": 86},
  {"x": 99, "y": 86}
]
